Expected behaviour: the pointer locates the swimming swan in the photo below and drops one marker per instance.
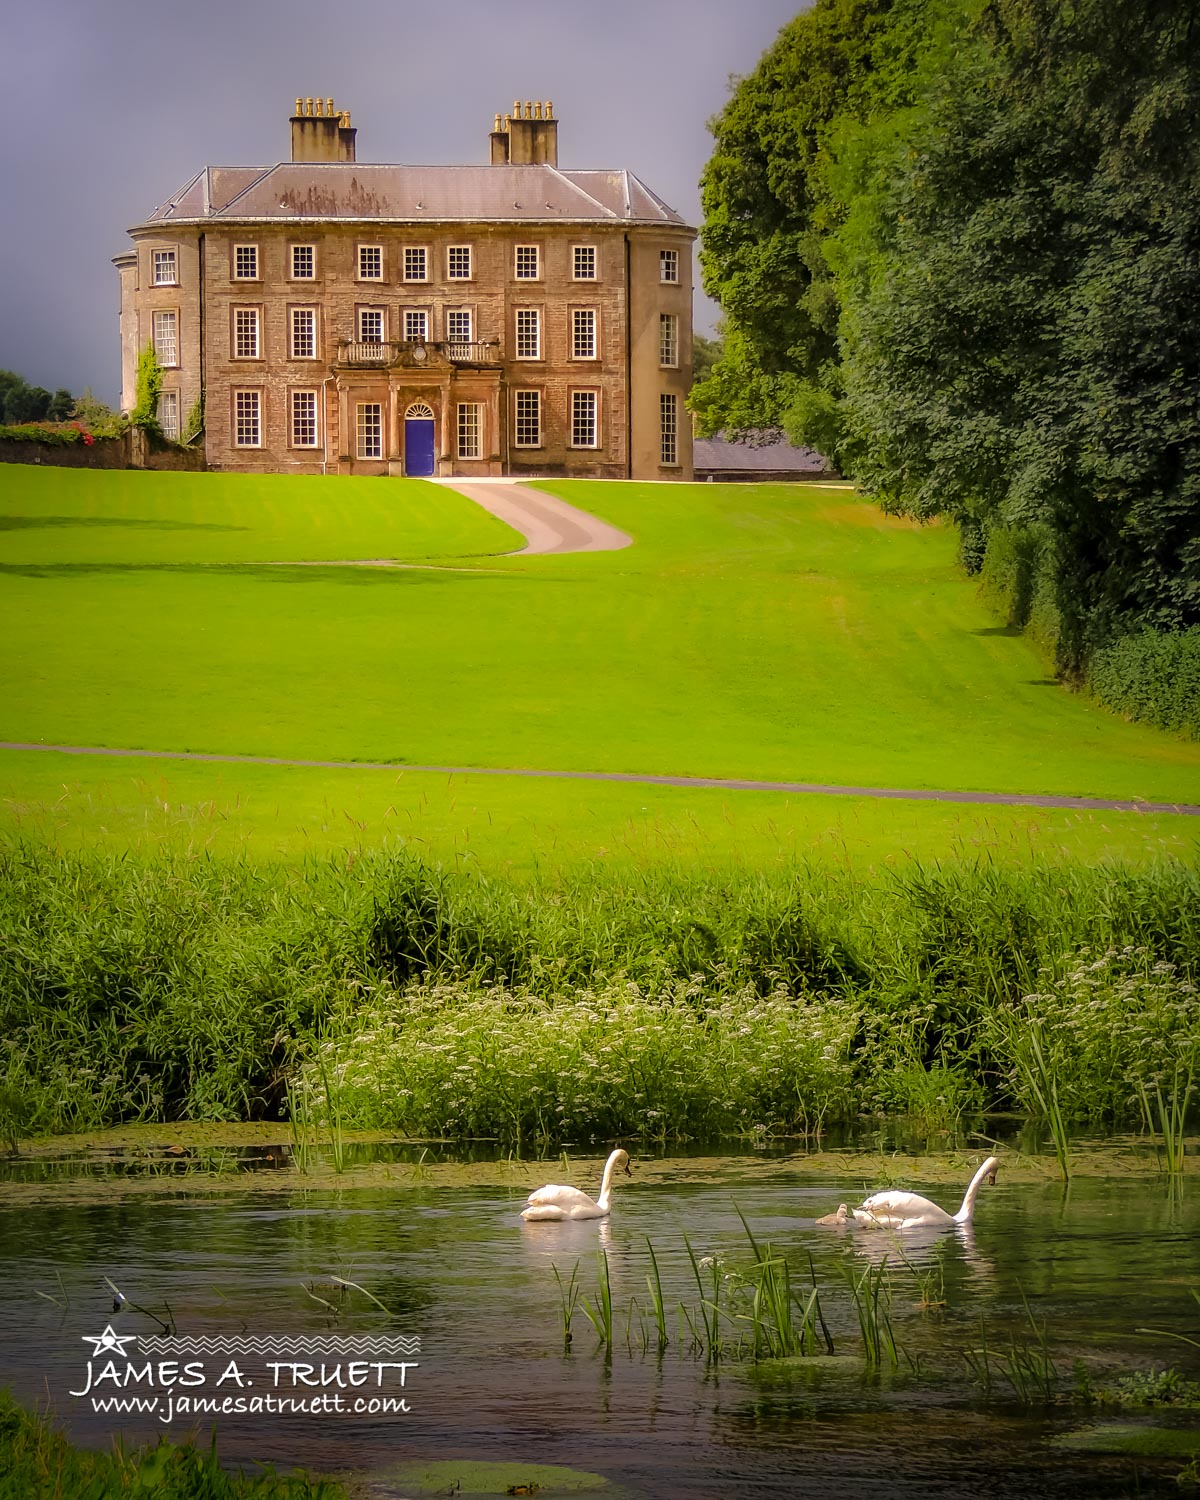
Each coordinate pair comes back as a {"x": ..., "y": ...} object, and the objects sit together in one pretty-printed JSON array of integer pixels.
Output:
[
  {"x": 553, "y": 1202},
  {"x": 892, "y": 1210}
]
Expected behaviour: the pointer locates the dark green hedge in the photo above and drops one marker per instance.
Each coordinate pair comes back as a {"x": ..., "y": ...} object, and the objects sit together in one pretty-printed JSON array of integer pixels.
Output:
[{"x": 1153, "y": 676}]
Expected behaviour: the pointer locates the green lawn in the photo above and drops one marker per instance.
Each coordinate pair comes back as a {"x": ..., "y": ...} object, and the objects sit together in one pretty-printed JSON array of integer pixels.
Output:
[
  {"x": 766, "y": 631},
  {"x": 131, "y": 519},
  {"x": 517, "y": 824}
]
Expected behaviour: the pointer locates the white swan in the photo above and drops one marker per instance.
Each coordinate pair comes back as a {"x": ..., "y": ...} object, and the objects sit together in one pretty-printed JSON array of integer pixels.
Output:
[
  {"x": 554, "y": 1202},
  {"x": 893, "y": 1210}
]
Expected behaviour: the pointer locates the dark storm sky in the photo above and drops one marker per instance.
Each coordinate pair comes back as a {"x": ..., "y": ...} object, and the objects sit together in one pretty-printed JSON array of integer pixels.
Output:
[{"x": 114, "y": 104}]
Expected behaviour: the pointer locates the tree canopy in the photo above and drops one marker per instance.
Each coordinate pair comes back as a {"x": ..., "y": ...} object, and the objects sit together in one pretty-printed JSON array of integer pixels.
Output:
[{"x": 958, "y": 249}]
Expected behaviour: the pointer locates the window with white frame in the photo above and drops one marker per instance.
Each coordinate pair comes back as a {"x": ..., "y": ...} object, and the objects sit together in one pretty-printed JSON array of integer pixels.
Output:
[
  {"x": 245, "y": 333},
  {"x": 668, "y": 265},
  {"x": 458, "y": 325},
  {"x": 585, "y": 422},
  {"x": 247, "y": 419},
  {"x": 304, "y": 262},
  {"x": 527, "y": 265},
  {"x": 370, "y": 263},
  {"x": 370, "y": 325},
  {"x": 470, "y": 430},
  {"x": 165, "y": 270},
  {"x": 668, "y": 406},
  {"x": 168, "y": 414},
  {"x": 416, "y": 263},
  {"x": 458, "y": 263},
  {"x": 527, "y": 426},
  {"x": 166, "y": 338},
  {"x": 304, "y": 333},
  {"x": 583, "y": 263},
  {"x": 529, "y": 333},
  {"x": 583, "y": 333},
  {"x": 416, "y": 325},
  {"x": 245, "y": 262},
  {"x": 304, "y": 419},
  {"x": 369, "y": 429},
  {"x": 668, "y": 340}
]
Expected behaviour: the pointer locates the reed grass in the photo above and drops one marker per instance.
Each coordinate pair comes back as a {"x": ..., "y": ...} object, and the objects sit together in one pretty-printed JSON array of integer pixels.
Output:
[
  {"x": 38, "y": 1463},
  {"x": 702, "y": 1003},
  {"x": 706, "y": 1331},
  {"x": 599, "y": 1312},
  {"x": 872, "y": 1297},
  {"x": 1166, "y": 1119},
  {"x": 776, "y": 1331},
  {"x": 1027, "y": 1368},
  {"x": 568, "y": 1301},
  {"x": 658, "y": 1307}
]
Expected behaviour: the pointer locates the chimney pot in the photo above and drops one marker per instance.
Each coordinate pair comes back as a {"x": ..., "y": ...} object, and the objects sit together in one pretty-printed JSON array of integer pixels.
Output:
[
  {"x": 299, "y": 106},
  {"x": 321, "y": 108},
  {"x": 308, "y": 106},
  {"x": 549, "y": 110},
  {"x": 329, "y": 106}
]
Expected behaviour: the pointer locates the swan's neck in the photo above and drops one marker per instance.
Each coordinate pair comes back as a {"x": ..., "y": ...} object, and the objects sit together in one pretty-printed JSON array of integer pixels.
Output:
[
  {"x": 610, "y": 1167},
  {"x": 967, "y": 1212}
]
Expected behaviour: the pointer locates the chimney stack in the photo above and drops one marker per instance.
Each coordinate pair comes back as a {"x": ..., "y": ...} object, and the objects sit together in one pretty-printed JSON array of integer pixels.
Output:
[
  {"x": 320, "y": 132},
  {"x": 528, "y": 136}
]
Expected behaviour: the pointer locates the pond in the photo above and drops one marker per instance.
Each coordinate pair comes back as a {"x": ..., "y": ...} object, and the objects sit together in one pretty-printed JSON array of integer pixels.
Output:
[{"x": 434, "y": 1250}]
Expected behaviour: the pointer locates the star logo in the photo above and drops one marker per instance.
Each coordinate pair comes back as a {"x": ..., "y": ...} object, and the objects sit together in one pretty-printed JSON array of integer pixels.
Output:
[{"x": 108, "y": 1342}]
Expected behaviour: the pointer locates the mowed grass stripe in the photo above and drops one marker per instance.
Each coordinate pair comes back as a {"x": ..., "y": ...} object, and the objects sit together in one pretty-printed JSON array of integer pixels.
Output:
[{"x": 772, "y": 633}]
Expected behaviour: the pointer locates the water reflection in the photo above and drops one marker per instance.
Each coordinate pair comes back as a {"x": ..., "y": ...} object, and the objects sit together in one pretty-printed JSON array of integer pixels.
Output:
[{"x": 456, "y": 1266}]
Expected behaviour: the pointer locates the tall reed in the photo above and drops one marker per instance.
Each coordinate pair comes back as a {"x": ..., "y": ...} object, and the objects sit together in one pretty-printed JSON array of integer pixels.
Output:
[{"x": 872, "y": 1303}]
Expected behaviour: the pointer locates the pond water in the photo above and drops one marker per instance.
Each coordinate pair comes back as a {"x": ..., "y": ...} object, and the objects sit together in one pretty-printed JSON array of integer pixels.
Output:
[{"x": 260, "y": 1252}]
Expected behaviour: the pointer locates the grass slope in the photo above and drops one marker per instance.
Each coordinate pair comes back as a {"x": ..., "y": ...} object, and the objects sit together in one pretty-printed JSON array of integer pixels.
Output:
[{"x": 770, "y": 631}]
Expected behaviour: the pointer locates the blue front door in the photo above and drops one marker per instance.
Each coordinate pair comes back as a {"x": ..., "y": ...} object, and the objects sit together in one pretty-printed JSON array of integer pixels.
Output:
[{"x": 418, "y": 446}]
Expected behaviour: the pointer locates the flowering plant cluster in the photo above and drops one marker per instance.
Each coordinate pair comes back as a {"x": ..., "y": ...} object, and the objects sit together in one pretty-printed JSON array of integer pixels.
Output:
[{"x": 463, "y": 1061}]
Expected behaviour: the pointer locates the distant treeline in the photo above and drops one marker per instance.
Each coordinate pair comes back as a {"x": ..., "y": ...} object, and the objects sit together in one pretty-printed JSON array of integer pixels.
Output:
[{"x": 21, "y": 402}]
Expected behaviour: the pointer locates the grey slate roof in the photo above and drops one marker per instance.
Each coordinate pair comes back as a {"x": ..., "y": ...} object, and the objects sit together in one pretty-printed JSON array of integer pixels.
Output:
[
  {"x": 356, "y": 190},
  {"x": 769, "y": 457}
]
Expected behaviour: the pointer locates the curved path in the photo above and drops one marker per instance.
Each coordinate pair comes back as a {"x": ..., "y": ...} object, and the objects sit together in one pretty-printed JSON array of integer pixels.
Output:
[
  {"x": 720, "y": 783},
  {"x": 547, "y": 523}
]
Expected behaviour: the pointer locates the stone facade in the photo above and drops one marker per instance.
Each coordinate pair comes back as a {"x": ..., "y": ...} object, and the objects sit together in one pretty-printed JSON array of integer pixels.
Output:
[{"x": 509, "y": 319}]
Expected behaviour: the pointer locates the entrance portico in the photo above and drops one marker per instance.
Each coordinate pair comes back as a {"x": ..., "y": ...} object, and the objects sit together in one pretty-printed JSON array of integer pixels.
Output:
[{"x": 420, "y": 409}]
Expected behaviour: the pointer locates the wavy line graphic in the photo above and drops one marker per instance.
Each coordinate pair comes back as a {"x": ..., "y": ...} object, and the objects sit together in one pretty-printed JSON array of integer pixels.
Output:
[{"x": 271, "y": 1344}]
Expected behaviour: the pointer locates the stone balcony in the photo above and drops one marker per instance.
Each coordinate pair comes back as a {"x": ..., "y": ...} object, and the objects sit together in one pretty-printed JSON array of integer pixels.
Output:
[{"x": 360, "y": 354}]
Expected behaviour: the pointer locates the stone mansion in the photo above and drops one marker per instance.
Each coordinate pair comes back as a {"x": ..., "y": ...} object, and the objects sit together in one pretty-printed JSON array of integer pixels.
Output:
[{"x": 508, "y": 319}]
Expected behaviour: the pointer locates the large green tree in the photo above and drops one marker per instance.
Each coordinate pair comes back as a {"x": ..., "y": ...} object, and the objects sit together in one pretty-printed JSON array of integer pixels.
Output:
[
  {"x": 768, "y": 202},
  {"x": 1022, "y": 346}
]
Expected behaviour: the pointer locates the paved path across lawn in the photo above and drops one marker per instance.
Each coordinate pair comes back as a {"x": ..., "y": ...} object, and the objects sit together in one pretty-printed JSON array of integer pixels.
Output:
[
  {"x": 717, "y": 783},
  {"x": 547, "y": 523}
]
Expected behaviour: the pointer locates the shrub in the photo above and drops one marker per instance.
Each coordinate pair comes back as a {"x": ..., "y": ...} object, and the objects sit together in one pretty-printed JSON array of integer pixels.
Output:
[
  {"x": 1153, "y": 676},
  {"x": 50, "y": 434}
]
